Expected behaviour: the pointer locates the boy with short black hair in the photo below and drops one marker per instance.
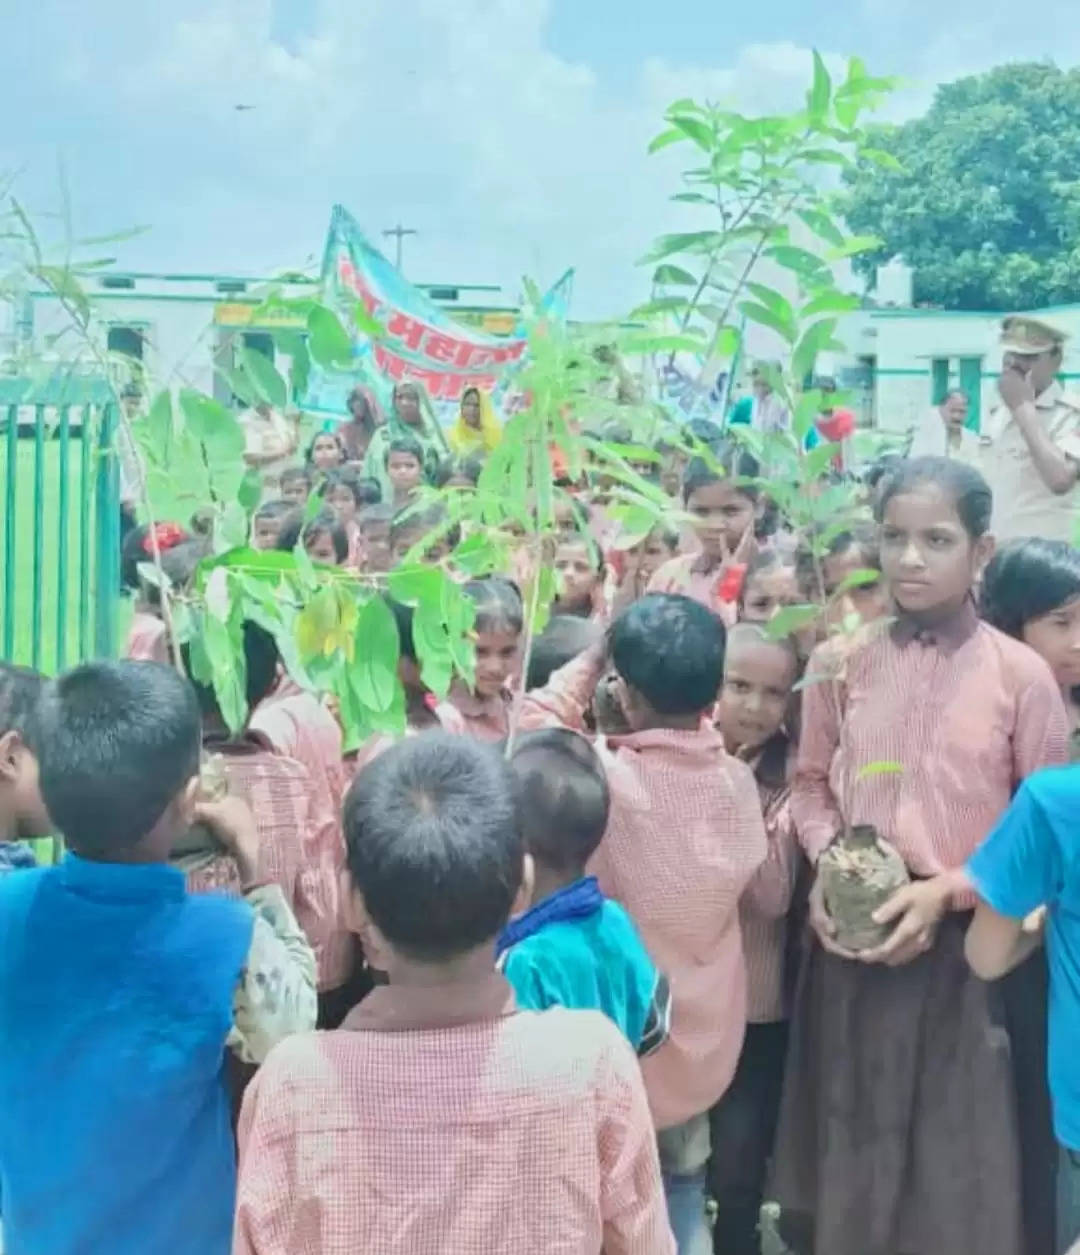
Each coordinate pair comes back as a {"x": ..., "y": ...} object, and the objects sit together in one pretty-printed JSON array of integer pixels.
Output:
[
  {"x": 267, "y": 521},
  {"x": 683, "y": 841},
  {"x": 574, "y": 947},
  {"x": 22, "y": 812},
  {"x": 563, "y": 639},
  {"x": 447, "y": 1121},
  {"x": 404, "y": 469},
  {"x": 123, "y": 991}
]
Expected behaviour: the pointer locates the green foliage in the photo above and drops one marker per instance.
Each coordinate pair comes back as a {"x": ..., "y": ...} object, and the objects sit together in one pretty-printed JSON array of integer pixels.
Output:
[{"x": 981, "y": 196}]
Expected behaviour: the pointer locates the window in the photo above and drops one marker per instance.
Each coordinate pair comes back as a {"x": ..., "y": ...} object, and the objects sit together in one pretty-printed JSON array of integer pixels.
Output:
[{"x": 126, "y": 340}]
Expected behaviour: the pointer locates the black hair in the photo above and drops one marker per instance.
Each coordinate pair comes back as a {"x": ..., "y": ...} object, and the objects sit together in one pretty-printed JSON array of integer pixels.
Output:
[
  {"x": 729, "y": 461},
  {"x": 565, "y": 636},
  {"x": 20, "y": 692},
  {"x": 405, "y": 444},
  {"x": 378, "y": 513},
  {"x": 293, "y": 528},
  {"x": 671, "y": 650},
  {"x": 596, "y": 554},
  {"x": 403, "y": 617},
  {"x": 178, "y": 566},
  {"x": 1027, "y": 579},
  {"x": 368, "y": 491},
  {"x": 498, "y": 604},
  {"x": 862, "y": 537},
  {"x": 562, "y": 797},
  {"x": 115, "y": 743},
  {"x": 261, "y": 660},
  {"x": 345, "y": 477},
  {"x": 274, "y": 510},
  {"x": 319, "y": 436},
  {"x": 410, "y": 524},
  {"x": 970, "y": 493},
  {"x": 295, "y": 472},
  {"x": 705, "y": 431},
  {"x": 466, "y": 467},
  {"x": 762, "y": 561},
  {"x": 607, "y": 712},
  {"x": 434, "y": 846},
  {"x": 133, "y": 552}
]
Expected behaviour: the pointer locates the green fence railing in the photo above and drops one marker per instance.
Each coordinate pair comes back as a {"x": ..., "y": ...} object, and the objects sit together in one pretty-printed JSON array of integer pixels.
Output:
[{"x": 61, "y": 524}]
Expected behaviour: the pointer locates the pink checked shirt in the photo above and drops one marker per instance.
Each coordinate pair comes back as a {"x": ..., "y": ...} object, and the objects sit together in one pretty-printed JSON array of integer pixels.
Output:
[
  {"x": 279, "y": 792},
  {"x": 763, "y": 910},
  {"x": 486, "y": 718},
  {"x": 683, "y": 841},
  {"x": 968, "y": 713},
  {"x": 677, "y": 575},
  {"x": 299, "y": 726},
  {"x": 445, "y": 1122}
]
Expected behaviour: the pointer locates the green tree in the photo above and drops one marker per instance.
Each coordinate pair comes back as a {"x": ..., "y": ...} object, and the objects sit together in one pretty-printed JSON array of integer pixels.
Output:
[{"x": 981, "y": 196}]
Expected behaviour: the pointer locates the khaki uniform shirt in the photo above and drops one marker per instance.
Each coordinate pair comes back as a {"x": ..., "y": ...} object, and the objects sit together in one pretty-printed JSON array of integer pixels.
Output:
[{"x": 1023, "y": 504}]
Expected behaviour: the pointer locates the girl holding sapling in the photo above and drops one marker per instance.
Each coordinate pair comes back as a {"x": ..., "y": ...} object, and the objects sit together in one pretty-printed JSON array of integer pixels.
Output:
[{"x": 899, "y": 1132}]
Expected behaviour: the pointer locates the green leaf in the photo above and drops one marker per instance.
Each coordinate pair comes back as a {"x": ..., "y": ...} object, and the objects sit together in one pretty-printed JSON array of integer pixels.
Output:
[
  {"x": 823, "y": 226},
  {"x": 268, "y": 384},
  {"x": 375, "y": 668},
  {"x": 819, "y": 459},
  {"x": 767, "y": 318},
  {"x": 367, "y": 324},
  {"x": 817, "y": 101},
  {"x": 664, "y": 344},
  {"x": 880, "y": 768},
  {"x": 673, "y": 274},
  {"x": 830, "y": 302},
  {"x": 214, "y": 426},
  {"x": 773, "y": 300},
  {"x": 476, "y": 555},
  {"x": 68, "y": 288},
  {"x": 800, "y": 260},
  {"x": 817, "y": 337},
  {"x": 416, "y": 585},
  {"x": 855, "y": 579},
  {"x": 433, "y": 649},
  {"x": 726, "y": 343},
  {"x": 328, "y": 340},
  {"x": 693, "y": 198},
  {"x": 684, "y": 242},
  {"x": 250, "y": 491},
  {"x": 854, "y": 245},
  {"x": 883, "y": 159},
  {"x": 791, "y": 619},
  {"x": 156, "y": 432},
  {"x": 665, "y": 139},
  {"x": 700, "y": 132},
  {"x": 224, "y": 650},
  {"x": 661, "y": 305}
]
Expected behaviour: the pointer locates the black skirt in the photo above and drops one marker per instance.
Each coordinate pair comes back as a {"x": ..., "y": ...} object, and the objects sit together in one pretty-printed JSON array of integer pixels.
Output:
[{"x": 901, "y": 1123}]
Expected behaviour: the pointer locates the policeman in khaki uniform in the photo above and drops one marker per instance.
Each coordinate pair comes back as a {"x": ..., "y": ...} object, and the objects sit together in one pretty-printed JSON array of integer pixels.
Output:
[{"x": 1029, "y": 450}]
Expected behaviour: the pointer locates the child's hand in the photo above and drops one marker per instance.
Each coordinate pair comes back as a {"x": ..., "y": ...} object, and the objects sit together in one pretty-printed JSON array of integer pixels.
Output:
[
  {"x": 822, "y": 924},
  {"x": 232, "y": 823},
  {"x": 917, "y": 909}
]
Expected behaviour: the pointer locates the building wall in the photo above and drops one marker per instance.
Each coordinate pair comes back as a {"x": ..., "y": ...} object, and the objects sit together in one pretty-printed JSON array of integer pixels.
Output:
[{"x": 904, "y": 344}]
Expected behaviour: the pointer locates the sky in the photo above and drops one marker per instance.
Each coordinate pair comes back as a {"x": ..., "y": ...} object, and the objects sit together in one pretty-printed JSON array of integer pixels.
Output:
[{"x": 510, "y": 134}]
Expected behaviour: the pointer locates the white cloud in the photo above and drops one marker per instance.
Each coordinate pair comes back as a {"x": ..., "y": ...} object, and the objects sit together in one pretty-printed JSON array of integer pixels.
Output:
[{"x": 457, "y": 119}]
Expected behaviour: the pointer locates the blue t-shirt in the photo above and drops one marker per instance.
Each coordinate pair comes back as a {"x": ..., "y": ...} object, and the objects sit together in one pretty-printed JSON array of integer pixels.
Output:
[
  {"x": 116, "y": 999},
  {"x": 592, "y": 961},
  {"x": 1032, "y": 859}
]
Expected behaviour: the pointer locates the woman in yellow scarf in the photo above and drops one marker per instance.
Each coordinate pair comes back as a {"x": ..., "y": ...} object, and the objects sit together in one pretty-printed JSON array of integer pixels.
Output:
[{"x": 477, "y": 430}]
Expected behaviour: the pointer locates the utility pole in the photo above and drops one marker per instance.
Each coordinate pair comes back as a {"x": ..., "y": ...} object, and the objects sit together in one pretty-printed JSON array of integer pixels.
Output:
[{"x": 399, "y": 233}]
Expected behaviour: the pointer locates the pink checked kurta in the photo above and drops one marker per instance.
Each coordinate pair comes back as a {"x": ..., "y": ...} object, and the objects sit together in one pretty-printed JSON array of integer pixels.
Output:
[
  {"x": 763, "y": 910},
  {"x": 486, "y": 718},
  {"x": 967, "y": 712},
  {"x": 280, "y": 795},
  {"x": 677, "y": 575},
  {"x": 300, "y": 727},
  {"x": 683, "y": 841},
  {"x": 437, "y": 1124},
  {"x": 147, "y": 641}
]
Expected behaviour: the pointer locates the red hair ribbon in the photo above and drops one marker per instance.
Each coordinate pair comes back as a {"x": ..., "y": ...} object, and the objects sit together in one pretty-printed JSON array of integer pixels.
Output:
[
  {"x": 731, "y": 582},
  {"x": 165, "y": 536}
]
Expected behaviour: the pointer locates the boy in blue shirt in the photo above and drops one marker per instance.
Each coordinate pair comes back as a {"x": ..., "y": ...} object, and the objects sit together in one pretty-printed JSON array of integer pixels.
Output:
[
  {"x": 120, "y": 992},
  {"x": 574, "y": 947},
  {"x": 22, "y": 812},
  {"x": 1030, "y": 861}
]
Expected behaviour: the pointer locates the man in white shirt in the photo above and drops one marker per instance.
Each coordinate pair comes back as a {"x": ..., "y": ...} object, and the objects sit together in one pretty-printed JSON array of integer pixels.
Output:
[
  {"x": 1030, "y": 448},
  {"x": 942, "y": 434}
]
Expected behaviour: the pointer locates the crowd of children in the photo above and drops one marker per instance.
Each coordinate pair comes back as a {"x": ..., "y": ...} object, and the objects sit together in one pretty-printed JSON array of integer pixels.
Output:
[{"x": 556, "y": 974}]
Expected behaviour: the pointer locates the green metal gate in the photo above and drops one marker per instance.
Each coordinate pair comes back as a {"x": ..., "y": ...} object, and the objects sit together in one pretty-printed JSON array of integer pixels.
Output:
[{"x": 61, "y": 523}]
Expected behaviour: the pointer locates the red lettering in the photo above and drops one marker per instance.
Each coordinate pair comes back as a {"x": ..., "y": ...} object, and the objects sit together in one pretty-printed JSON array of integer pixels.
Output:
[
  {"x": 401, "y": 327},
  {"x": 440, "y": 348},
  {"x": 392, "y": 366}
]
